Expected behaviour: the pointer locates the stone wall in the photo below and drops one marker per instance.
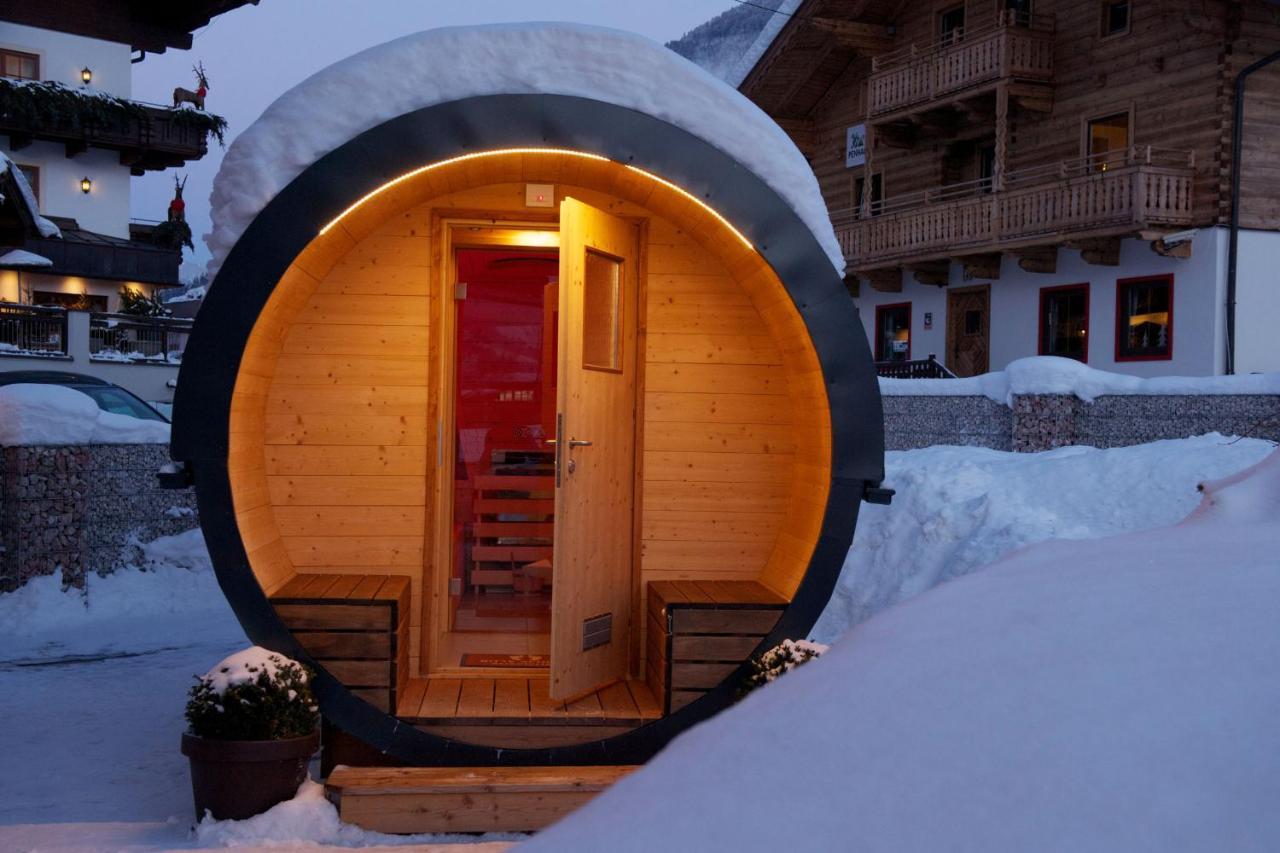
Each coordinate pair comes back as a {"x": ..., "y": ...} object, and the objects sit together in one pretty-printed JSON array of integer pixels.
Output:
[
  {"x": 75, "y": 509},
  {"x": 1044, "y": 421}
]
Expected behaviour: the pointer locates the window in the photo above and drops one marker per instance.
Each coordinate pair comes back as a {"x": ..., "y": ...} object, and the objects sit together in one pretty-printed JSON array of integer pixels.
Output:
[
  {"x": 601, "y": 310},
  {"x": 24, "y": 66},
  {"x": 1019, "y": 11},
  {"x": 32, "y": 174},
  {"x": 893, "y": 332},
  {"x": 1115, "y": 17},
  {"x": 951, "y": 25},
  {"x": 70, "y": 301},
  {"x": 873, "y": 203},
  {"x": 1108, "y": 141},
  {"x": 1144, "y": 318},
  {"x": 1064, "y": 321}
]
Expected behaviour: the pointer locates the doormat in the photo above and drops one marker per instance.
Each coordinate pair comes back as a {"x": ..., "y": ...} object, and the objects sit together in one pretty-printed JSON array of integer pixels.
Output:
[{"x": 507, "y": 661}]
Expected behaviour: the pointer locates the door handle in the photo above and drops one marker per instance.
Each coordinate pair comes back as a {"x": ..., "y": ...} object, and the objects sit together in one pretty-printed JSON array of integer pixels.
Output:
[{"x": 574, "y": 442}]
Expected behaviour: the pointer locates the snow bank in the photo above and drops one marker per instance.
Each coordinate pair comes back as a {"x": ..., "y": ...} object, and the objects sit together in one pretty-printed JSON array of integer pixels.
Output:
[
  {"x": 1054, "y": 375},
  {"x": 1114, "y": 694},
  {"x": 349, "y": 97},
  {"x": 54, "y": 414},
  {"x": 958, "y": 509}
]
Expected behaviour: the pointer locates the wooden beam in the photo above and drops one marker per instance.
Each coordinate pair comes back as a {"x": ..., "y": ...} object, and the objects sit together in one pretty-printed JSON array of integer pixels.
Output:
[
  {"x": 867, "y": 39},
  {"x": 932, "y": 272},
  {"x": 1101, "y": 251},
  {"x": 853, "y": 284},
  {"x": 73, "y": 149},
  {"x": 1181, "y": 249},
  {"x": 884, "y": 280},
  {"x": 985, "y": 266},
  {"x": 18, "y": 141},
  {"x": 1041, "y": 259},
  {"x": 901, "y": 135},
  {"x": 803, "y": 132},
  {"x": 1002, "y": 138}
]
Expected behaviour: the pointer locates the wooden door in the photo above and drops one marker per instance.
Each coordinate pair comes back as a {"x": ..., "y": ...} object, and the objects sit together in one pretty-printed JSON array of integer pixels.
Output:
[
  {"x": 969, "y": 330},
  {"x": 595, "y": 450}
]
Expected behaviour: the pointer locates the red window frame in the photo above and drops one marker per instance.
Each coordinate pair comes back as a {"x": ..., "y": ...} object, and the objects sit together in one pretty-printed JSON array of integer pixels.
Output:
[
  {"x": 1045, "y": 291},
  {"x": 1121, "y": 284},
  {"x": 880, "y": 328}
]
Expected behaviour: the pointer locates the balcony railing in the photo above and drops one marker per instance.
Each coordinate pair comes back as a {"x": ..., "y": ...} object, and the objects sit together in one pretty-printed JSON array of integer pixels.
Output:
[
  {"x": 1112, "y": 193},
  {"x": 1018, "y": 47},
  {"x": 921, "y": 368},
  {"x": 27, "y": 330},
  {"x": 128, "y": 338}
]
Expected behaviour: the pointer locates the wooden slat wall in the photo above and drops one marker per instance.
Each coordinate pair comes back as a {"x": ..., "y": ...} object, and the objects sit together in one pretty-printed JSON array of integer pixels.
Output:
[{"x": 334, "y": 441}]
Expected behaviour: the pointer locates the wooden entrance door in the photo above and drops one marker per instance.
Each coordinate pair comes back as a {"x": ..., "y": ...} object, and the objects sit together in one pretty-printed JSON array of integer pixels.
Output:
[
  {"x": 969, "y": 330},
  {"x": 595, "y": 450}
]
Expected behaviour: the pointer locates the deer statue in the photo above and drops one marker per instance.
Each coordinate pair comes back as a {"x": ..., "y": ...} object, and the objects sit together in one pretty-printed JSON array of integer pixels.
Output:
[
  {"x": 178, "y": 207},
  {"x": 181, "y": 95}
]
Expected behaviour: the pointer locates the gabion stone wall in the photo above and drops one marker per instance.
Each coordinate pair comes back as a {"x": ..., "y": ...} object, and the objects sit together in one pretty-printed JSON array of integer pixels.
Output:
[
  {"x": 1038, "y": 422},
  {"x": 74, "y": 510}
]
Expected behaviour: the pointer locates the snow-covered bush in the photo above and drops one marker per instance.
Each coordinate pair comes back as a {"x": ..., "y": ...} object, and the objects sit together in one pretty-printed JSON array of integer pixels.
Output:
[
  {"x": 779, "y": 660},
  {"x": 255, "y": 694}
]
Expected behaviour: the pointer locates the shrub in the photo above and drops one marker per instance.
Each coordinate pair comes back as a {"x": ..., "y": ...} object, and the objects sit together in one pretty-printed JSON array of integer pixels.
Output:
[
  {"x": 253, "y": 695},
  {"x": 771, "y": 665}
]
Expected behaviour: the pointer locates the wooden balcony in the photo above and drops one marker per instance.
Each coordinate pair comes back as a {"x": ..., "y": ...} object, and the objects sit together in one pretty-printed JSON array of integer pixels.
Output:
[
  {"x": 1091, "y": 197},
  {"x": 1017, "y": 48}
]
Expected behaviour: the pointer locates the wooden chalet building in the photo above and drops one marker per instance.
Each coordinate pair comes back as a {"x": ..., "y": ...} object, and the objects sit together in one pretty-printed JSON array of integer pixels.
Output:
[{"x": 1018, "y": 177}]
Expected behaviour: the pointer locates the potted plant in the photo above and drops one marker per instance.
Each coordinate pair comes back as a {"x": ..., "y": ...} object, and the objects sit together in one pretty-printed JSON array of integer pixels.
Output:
[
  {"x": 252, "y": 733},
  {"x": 771, "y": 665}
]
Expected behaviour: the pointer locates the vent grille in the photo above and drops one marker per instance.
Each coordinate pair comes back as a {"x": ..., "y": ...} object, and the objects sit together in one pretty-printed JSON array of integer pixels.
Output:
[{"x": 597, "y": 631}]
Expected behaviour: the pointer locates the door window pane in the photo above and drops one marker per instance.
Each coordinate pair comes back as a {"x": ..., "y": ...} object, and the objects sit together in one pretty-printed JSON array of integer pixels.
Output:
[
  {"x": 951, "y": 25},
  {"x": 1064, "y": 322},
  {"x": 893, "y": 332},
  {"x": 601, "y": 310},
  {"x": 1108, "y": 141},
  {"x": 1115, "y": 17},
  {"x": 1145, "y": 318}
]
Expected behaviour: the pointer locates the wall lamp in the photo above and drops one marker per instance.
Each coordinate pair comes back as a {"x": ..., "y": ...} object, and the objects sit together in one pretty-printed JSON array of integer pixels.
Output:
[
  {"x": 85, "y": 184},
  {"x": 86, "y": 75}
]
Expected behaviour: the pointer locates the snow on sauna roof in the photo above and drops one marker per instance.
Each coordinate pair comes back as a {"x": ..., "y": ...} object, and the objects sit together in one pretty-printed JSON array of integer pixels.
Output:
[{"x": 362, "y": 91}]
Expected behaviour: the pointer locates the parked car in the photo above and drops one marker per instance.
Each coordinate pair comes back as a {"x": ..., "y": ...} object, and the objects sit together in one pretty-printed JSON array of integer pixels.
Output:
[{"x": 110, "y": 398}]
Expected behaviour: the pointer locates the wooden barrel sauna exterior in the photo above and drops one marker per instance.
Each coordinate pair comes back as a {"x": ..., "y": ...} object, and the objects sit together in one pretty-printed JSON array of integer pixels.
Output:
[{"x": 307, "y": 412}]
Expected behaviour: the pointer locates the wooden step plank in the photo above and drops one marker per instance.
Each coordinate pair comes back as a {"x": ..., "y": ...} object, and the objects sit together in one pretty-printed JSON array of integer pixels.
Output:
[
  {"x": 441, "y": 699},
  {"x": 510, "y": 700},
  {"x": 411, "y": 697},
  {"x": 587, "y": 709},
  {"x": 644, "y": 699},
  {"x": 293, "y": 586},
  {"x": 318, "y": 586},
  {"x": 618, "y": 706},
  {"x": 368, "y": 781},
  {"x": 475, "y": 701},
  {"x": 367, "y": 588},
  {"x": 344, "y": 586},
  {"x": 540, "y": 702}
]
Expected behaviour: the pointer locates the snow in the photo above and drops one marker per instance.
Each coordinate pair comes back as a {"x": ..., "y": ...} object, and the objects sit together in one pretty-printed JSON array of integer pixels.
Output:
[
  {"x": 22, "y": 258},
  {"x": 1053, "y": 375},
  {"x": 416, "y": 71},
  {"x": 786, "y": 9},
  {"x": 1081, "y": 693},
  {"x": 32, "y": 414},
  {"x": 1110, "y": 694},
  {"x": 958, "y": 509},
  {"x": 44, "y": 227},
  {"x": 244, "y": 666}
]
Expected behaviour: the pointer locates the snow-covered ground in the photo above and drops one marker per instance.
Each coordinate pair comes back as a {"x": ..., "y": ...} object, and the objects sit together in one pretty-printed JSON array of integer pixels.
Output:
[{"x": 915, "y": 726}]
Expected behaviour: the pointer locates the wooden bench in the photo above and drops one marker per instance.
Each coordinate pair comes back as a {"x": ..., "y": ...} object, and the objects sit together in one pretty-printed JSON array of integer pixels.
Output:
[
  {"x": 513, "y": 528},
  {"x": 701, "y": 631},
  {"x": 355, "y": 626},
  {"x": 463, "y": 799}
]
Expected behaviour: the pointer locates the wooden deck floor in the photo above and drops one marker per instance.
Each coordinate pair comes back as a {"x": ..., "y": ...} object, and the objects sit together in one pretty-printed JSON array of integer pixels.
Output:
[{"x": 509, "y": 701}]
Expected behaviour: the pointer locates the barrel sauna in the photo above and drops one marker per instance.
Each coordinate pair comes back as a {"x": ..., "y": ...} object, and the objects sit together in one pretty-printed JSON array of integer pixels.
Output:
[{"x": 526, "y": 417}]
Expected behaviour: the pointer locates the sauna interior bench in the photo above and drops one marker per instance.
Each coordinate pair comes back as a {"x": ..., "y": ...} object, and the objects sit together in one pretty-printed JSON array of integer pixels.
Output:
[
  {"x": 464, "y": 799},
  {"x": 701, "y": 631},
  {"x": 355, "y": 626}
]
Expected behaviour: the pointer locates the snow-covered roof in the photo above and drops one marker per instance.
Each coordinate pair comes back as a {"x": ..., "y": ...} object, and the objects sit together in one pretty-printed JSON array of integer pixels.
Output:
[
  {"x": 349, "y": 97},
  {"x": 27, "y": 198},
  {"x": 786, "y": 9},
  {"x": 23, "y": 258}
]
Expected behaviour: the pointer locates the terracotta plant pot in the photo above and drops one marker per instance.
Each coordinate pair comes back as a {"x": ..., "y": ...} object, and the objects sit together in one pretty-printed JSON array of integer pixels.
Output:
[{"x": 237, "y": 779}]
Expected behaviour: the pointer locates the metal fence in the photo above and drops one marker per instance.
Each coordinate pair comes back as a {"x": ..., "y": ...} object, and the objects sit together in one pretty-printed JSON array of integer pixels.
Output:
[
  {"x": 32, "y": 331},
  {"x": 927, "y": 368},
  {"x": 124, "y": 337}
]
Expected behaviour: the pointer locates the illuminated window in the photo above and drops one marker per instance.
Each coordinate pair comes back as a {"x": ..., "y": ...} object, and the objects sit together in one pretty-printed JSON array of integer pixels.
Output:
[
  {"x": 1108, "y": 141},
  {"x": 1144, "y": 318},
  {"x": 1064, "y": 321},
  {"x": 24, "y": 66},
  {"x": 601, "y": 312},
  {"x": 1115, "y": 17},
  {"x": 893, "y": 332}
]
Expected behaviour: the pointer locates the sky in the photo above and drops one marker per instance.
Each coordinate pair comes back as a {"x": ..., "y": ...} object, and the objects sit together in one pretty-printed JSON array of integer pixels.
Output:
[{"x": 256, "y": 53}]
